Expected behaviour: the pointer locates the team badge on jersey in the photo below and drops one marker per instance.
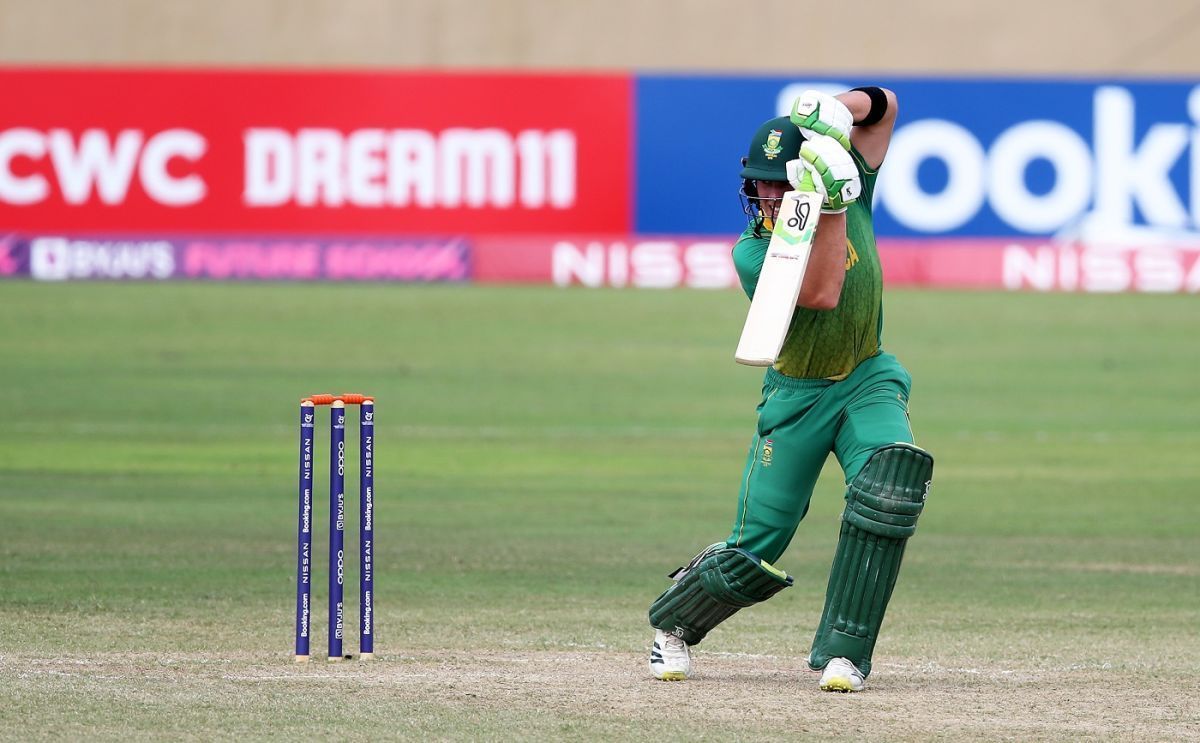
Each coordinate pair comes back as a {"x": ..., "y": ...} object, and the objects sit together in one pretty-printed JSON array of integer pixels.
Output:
[{"x": 771, "y": 148}]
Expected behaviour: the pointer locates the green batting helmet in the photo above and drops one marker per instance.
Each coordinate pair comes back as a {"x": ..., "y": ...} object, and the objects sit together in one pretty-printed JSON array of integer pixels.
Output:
[{"x": 775, "y": 142}]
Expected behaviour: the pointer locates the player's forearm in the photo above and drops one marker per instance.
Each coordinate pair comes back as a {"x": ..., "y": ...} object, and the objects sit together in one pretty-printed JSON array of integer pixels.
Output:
[
  {"x": 822, "y": 287},
  {"x": 860, "y": 104},
  {"x": 874, "y": 119}
]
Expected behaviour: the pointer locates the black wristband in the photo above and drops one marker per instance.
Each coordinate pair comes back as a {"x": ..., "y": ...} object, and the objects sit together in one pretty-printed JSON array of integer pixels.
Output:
[{"x": 879, "y": 105}]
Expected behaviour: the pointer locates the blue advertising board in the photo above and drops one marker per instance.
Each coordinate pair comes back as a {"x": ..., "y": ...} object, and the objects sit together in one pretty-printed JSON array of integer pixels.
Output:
[{"x": 969, "y": 157}]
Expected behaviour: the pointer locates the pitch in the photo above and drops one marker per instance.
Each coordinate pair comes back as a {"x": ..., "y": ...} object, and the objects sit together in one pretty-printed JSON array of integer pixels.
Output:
[{"x": 543, "y": 458}]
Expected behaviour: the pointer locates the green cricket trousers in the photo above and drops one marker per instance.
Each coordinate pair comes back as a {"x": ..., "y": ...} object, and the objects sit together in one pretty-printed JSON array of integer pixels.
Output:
[{"x": 800, "y": 421}]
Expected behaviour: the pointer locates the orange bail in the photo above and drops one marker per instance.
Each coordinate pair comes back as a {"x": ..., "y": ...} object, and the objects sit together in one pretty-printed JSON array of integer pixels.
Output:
[{"x": 349, "y": 399}]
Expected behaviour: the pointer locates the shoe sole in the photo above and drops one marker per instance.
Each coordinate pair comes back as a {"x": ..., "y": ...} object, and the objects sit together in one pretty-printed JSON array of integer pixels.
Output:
[
  {"x": 671, "y": 676},
  {"x": 842, "y": 685}
]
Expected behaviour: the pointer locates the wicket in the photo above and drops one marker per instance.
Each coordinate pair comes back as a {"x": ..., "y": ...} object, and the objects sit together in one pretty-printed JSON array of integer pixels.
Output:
[{"x": 337, "y": 523}]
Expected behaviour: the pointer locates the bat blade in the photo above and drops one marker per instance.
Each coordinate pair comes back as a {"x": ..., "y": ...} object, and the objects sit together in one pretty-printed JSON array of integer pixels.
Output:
[{"x": 779, "y": 282}]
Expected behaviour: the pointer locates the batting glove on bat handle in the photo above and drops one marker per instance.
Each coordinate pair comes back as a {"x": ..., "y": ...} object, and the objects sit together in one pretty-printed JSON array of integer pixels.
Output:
[
  {"x": 818, "y": 114},
  {"x": 834, "y": 173},
  {"x": 800, "y": 175}
]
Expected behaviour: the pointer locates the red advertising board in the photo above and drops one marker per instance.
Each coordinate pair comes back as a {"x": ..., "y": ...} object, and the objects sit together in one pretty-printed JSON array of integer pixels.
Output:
[{"x": 250, "y": 152}]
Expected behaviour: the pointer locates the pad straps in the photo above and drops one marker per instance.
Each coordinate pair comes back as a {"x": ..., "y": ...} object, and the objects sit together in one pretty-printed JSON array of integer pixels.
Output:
[{"x": 713, "y": 587}]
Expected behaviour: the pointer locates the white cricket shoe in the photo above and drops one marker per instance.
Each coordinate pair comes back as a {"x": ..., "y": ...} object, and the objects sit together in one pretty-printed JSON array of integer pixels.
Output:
[
  {"x": 670, "y": 659},
  {"x": 841, "y": 675}
]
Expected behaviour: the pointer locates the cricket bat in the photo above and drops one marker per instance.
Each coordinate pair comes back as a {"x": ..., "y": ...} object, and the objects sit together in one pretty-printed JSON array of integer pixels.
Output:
[{"x": 779, "y": 282}]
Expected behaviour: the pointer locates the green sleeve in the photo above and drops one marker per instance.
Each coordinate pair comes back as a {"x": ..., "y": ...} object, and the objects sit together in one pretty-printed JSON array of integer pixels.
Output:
[
  {"x": 749, "y": 252},
  {"x": 867, "y": 176}
]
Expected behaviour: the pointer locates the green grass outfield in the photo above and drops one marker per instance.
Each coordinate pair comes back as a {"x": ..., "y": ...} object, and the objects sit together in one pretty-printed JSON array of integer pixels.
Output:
[{"x": 544, "y": 457}]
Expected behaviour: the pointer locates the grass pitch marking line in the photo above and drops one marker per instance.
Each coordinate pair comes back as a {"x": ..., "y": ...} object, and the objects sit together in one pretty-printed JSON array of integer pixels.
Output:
[
  {"x": 445, "y": 431},
  {"x": 1026, "y": 674},
  {"x": 192, "y": 430},
  {"x": 296, "y": 677},
  {"x": 1104, "y": 567}
]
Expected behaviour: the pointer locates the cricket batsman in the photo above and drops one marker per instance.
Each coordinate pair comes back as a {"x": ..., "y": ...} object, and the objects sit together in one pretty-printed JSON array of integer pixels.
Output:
[{"x": 832, "y": 390}]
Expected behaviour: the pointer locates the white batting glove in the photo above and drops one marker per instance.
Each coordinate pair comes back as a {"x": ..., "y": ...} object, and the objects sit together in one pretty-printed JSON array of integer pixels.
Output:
[
  {"x": 820, "y": 114},
  {"x": 800, "y": 175},
  {"x": 832, "y": 173}
]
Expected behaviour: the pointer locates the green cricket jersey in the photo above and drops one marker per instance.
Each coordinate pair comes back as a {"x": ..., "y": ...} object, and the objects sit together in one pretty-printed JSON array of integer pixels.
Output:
[{"x": 828, "y": 344}]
